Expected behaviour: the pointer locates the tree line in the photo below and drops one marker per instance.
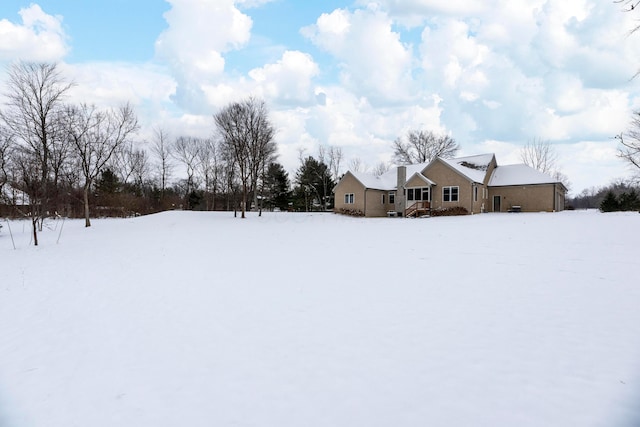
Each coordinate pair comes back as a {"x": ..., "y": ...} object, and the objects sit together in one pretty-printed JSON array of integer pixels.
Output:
[
  {"x": 78, "y": 160},
  {"x": 619, "y": 195}
]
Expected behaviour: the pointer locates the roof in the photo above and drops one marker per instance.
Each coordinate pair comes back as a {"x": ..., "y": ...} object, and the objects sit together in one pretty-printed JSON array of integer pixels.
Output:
[
  {"x": 472, "y": 167},
  {"x": 386, "y": 181},
  {"x": 422, "y": 177},
  {"x": 519, "y": 174},
  {"x": 417, "y": 168}
]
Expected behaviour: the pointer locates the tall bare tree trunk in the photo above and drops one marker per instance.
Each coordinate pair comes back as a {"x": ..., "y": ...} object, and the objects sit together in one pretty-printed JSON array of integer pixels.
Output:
[
  {"x": 87, "y": 221},
  {"x": 34, "y": 223},
  {"x": 244, "y": 198}
]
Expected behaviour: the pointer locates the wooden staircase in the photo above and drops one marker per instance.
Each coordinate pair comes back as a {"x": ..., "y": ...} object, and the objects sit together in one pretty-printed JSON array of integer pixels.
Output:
[{"x": 418, "y": 209}]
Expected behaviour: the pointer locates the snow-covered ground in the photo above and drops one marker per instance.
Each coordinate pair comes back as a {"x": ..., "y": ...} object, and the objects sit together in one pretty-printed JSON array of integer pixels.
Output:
[{"x": 199, "y": 319}]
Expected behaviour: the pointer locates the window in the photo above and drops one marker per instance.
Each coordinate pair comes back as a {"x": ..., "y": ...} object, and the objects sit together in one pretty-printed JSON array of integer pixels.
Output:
[
  {"x": 475, "y": 194},
  {"x": 392, "y": 198},
  {"x": 348, "y": 198},
  {"x": 450, "y": 194},
  {"x": 418, "y": 194},
  {"x": 384, "y": 199}
]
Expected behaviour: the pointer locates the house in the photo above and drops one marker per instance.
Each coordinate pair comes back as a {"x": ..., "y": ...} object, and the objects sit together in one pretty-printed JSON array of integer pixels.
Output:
[{"x": 475, "y": 183}]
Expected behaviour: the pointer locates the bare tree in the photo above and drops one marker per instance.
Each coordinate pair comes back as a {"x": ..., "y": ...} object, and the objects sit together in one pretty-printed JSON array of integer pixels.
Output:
[
  {"x": 539, "y": 154},
  {"x": 186, "y": 150},
  {"x": 381, "y": 168},
  {"x": 357, "y": 165},
  {"x": 629, "y": 6},
  {"x": 34, "y": 95},
  {"x": 332, "y": 157},
  {"x": 629, "y": 149},
  {"x": 423, "y": 147},
  {"x": 262, "y": 147},
  {"x": 247, "y": 135},
  {"x": 130, "y": 164},
  {"x": 162, "y": 150},
  {"x": 561, "y": 177},
  {"x": 96, "y": 137},
  {"x": 228, "y": 178},
  {"x": 209, "y": 167},
  {"x": 5, "y": 145}
]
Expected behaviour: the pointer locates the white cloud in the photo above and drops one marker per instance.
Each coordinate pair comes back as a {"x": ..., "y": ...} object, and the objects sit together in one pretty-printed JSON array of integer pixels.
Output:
[
  {"x": 352, "y": 123},
  {"x": 373, "y": 60},
  {"x": 585, "y": 163},
  {"x": 147, "y": 88},
  {"x": 40, "y": 37},
  {"x": 290, "y": 80},
  {"x": 111, "y": 84},
  {"x": 199, "y": 34},
  {"x": 413, "y": 12},
  {"x": 590, "y": 163},
  {"x": 248, "y": 4}
]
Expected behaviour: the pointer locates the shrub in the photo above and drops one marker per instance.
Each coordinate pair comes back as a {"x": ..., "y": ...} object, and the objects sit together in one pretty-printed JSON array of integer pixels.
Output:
[
  {"x": 610, "y": 203},
  {"x": 453, "y": 211},
  {"x": 350, "y": 212},
  {"x": 629, "y": 201}
]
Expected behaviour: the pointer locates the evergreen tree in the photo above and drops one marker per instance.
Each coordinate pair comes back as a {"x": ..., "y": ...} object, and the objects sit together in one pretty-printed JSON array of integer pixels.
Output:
[
  {"x": 315, "y": 185},
  {"x": 108, "y": 182},
  {"x": 629, "y": 201},
  {"x": 194, "y": 200},
  {"x": 610, "y": 203},
  {"x": 277, "y": 193}
]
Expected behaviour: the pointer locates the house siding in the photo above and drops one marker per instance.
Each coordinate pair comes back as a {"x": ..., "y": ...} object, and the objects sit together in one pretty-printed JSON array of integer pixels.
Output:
[
  {"x": 373, "y": 203},
  {"x": 366, "y": 200},
  {"x": 444, "y": 176},
  {"x": 349, "y": 184},
  {"x": 530, "y": 198},
  {"x": 416, "y": 181}
]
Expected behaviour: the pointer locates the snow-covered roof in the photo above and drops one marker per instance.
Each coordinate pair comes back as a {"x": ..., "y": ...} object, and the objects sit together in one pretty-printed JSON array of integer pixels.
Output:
[
  {"x": 422, "y": 177},
  {"x": 519, "y": 174},
  {"x": 417, "y": 168},
  {"x": 473, "y": 167},
  {"x": 386, "y": 181}
]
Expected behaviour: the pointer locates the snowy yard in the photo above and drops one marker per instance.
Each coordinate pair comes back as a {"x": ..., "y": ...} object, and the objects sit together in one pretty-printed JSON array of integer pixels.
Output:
[{"x": 199, "y": 319}]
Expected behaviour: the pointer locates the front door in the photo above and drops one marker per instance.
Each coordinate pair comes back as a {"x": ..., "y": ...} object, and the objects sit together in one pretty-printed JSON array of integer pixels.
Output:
[{"x": 496, "y": 203}]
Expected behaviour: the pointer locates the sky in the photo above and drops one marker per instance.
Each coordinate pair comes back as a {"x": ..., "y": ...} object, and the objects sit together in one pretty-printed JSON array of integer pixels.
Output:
[{"x": 356, "y": 74}]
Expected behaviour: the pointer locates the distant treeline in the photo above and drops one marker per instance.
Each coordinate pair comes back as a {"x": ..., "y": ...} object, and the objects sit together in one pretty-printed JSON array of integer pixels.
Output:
[{"x": 621, "y": 195}]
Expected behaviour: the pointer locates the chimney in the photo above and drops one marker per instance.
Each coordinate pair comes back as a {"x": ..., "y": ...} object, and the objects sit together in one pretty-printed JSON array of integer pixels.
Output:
[{"x": 400, "y": 194}]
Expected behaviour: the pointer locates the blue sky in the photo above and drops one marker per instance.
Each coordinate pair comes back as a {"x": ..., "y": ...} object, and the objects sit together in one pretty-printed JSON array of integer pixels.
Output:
[
  {"x": 102, "y": 30},
  {"x": 355, "y": 74}
]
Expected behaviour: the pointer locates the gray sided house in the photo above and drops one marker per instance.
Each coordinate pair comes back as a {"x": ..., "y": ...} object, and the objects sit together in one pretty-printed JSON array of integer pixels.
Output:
[{"x": 476, "y": 183}]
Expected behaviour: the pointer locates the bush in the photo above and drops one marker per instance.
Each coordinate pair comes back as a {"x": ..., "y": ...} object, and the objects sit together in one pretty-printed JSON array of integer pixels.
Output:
[
  {"x": 350, "y": 212},
  {"x": 629, "y": 201},
  {"x": 453, "y": 211}
]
